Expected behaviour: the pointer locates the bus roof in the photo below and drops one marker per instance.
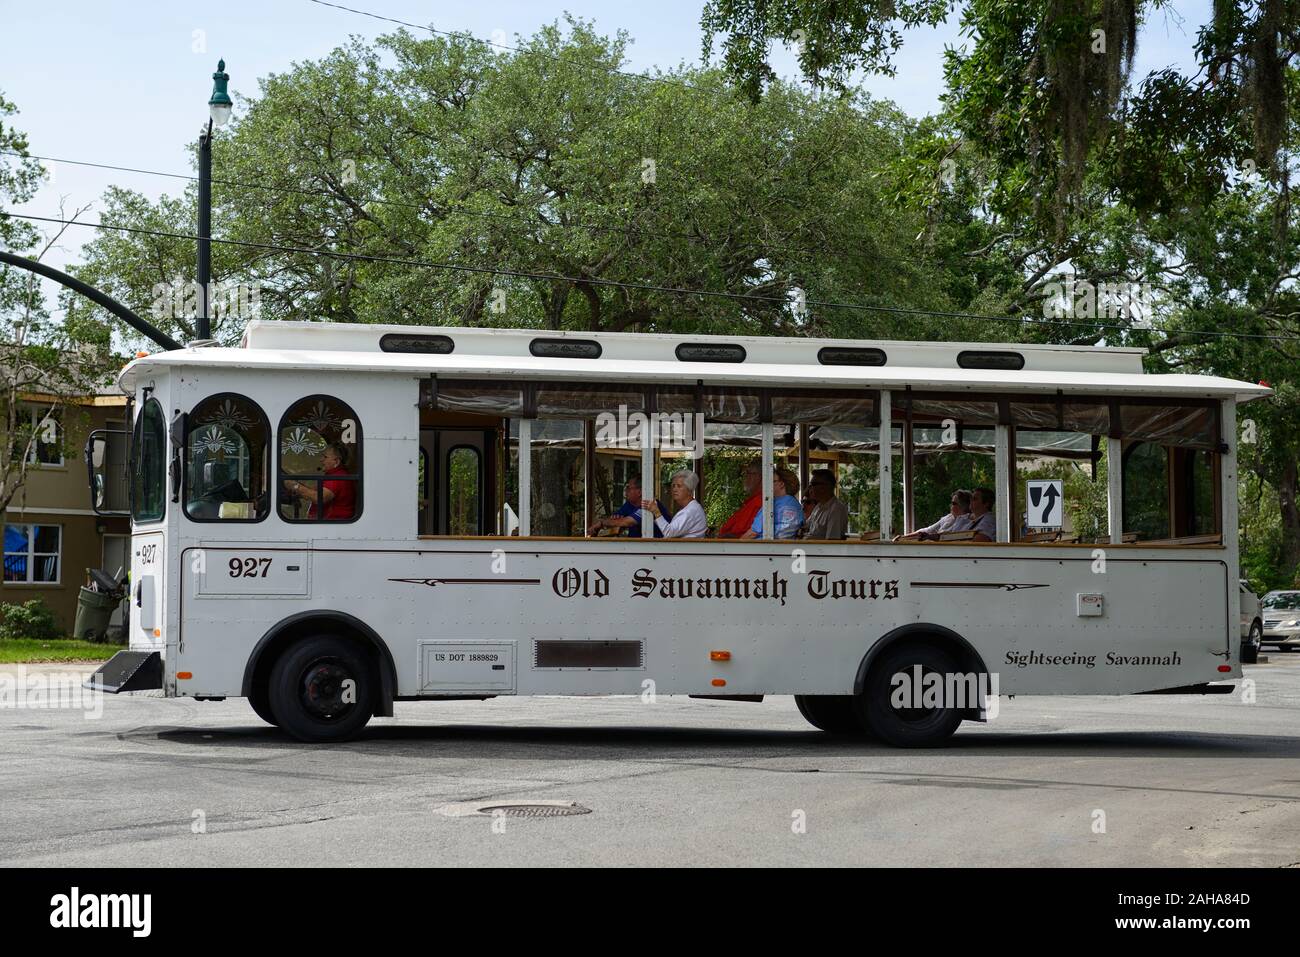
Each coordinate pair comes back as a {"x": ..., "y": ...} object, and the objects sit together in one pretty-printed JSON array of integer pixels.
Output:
[{"x": 453, "y": 352}]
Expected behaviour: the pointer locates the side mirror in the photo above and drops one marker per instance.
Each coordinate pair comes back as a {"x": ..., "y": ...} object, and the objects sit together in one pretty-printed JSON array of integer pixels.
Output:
[{"x": 107, "y": 472}]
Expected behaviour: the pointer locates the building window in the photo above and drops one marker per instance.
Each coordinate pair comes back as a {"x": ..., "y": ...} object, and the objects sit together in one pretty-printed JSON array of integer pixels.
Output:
[
  {"x": 227, "y": 460},
  {"x": 40, "y": 433},
  {"x": 320, "y": 461},
  {"x": 32, "y": 554}
]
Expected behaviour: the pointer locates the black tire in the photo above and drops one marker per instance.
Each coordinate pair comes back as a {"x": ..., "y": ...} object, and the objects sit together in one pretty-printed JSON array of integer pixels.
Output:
[
  {"x": 1251, "y": 645},
  {"x": 262, "y": 707},
  {"x": 308, "y": 694},
  {"x": 832, "y": 713},
  {"x": 911, "y": 727}
]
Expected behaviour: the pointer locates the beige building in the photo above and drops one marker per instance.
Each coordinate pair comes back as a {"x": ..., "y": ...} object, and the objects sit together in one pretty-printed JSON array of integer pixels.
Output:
[{"x": 51, "y": 534}]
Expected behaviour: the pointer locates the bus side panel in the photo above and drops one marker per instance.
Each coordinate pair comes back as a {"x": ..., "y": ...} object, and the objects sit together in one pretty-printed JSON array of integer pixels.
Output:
[{"x": 1042, "y": 619}]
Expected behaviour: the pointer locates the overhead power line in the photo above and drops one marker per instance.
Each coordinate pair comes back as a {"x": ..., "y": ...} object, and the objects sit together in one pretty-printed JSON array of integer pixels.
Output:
[
  {"x": 960, "y": 263},
  {"x": 523, "y": 51}
]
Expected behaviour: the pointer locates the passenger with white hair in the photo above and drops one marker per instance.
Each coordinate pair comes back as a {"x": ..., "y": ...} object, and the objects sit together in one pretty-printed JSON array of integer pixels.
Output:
[{"x": 689, "y": 521}]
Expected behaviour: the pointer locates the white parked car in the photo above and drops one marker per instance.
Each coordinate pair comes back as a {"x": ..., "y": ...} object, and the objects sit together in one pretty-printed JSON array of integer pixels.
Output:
[
  {"x": 1252, "y": 624},
  {"x": 1281, "y": 618}
]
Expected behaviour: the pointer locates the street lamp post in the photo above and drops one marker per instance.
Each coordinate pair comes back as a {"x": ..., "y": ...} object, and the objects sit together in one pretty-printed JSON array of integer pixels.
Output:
[{"x": 219, "y": 106}]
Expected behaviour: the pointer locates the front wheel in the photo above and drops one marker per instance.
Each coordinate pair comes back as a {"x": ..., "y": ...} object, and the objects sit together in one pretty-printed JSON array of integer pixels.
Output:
[
  {"x": 831, "y": 713},
  {"x": 898, "y": 712},
  {"x": 322, "y": 689}
]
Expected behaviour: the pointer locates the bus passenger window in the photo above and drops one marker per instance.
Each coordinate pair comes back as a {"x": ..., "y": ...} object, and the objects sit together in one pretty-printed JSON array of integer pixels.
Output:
[
  {"x": 227, "y": 447},
  {"x": 464, "y": 485},
  {"x": 1146, "y": 491},
  {"x": 320, "y": 461}
]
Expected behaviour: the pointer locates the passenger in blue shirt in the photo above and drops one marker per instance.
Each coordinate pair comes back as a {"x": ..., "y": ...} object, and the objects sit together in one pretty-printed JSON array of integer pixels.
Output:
[
  {"x": 627, "y": 520},
  {"x": 785, "y": 506}
]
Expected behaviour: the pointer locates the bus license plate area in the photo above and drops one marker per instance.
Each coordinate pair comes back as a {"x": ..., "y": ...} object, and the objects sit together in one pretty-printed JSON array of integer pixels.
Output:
[
  {"x": 267, "y": 573},
  {"x": 459, "y": 666}
]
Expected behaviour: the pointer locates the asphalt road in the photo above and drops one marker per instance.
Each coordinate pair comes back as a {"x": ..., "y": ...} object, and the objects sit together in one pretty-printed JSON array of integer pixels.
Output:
[{"x": 1150, "y": 780}]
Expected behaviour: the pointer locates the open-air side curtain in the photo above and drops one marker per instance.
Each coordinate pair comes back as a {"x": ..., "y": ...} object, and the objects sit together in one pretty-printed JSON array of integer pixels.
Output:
[{"x": 843, "y": 418}]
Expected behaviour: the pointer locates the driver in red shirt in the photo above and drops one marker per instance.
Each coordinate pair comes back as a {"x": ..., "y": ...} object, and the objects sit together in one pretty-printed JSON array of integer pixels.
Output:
[{"x": 340, "y": 494}]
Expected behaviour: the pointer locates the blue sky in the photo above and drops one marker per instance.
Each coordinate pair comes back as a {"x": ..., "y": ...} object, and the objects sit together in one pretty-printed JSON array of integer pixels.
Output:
[{"x": 126, "y": 83}]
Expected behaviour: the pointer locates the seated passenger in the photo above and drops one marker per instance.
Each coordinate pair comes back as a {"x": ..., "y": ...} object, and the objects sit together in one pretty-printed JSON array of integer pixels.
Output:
[
  {"x": 740, "y": 521},
  {"x": 982, "y": 521},
  {"x": 689, "y": 521},
  {"x": 627, "y": 520},
  {"x": 957, "y": 519},
  {"x": 829, "y": 517},
  {"x": 339, "y": 495},
  {"x": 786, "y": 508}
]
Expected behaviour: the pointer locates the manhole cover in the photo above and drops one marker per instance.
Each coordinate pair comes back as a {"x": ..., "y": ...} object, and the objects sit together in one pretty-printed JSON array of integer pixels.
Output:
[{"x": 534, "y": 810}]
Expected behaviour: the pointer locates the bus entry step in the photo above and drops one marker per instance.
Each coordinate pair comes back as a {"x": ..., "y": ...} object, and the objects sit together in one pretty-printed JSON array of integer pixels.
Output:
[{"x": 127, "y": 671}]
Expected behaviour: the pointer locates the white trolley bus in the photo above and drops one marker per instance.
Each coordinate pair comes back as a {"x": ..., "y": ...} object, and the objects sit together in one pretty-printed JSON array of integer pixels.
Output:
[{"x": 331, "y": 518}]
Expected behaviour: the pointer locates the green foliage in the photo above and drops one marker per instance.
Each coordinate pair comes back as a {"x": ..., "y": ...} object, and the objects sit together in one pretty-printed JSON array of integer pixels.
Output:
[
  {"x": 513, "y": 169},
  {"x": 32, "y": 619},
  {"x": 831, "y": 40},
  {"x": 1041, "y": 87}
]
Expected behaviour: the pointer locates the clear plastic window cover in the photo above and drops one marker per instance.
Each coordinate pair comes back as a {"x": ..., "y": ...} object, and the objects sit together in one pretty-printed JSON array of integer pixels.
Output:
[
  {"x": 1191, "y": 426},
  {"x": 568, "y": 433},
  {"x": 483, "y": 401},
  {"x": 589, "y": 402},
  {"x": 962, "y": 411},
  {"x": 1186, "y": 426},
  {"x": 1065, "y": 445},
  {"x": 732, "y": 407}
]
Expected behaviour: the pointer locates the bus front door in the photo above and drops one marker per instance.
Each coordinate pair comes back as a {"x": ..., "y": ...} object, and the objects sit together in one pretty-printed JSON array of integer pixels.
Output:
[{"x": 458, "y": 489}]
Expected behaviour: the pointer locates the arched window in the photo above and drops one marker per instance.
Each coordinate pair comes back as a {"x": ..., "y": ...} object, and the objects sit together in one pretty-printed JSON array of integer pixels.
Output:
[
  {"x": 320, "y": 461},
  {"x": 227, "y": 460}
]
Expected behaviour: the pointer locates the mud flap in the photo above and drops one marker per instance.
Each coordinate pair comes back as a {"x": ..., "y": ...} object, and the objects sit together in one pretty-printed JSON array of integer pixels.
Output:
[{"x": 127, "y": 671}]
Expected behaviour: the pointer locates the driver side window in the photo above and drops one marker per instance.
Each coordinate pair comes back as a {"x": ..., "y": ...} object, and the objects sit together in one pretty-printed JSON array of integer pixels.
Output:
[{"x": 227, "y": 460}]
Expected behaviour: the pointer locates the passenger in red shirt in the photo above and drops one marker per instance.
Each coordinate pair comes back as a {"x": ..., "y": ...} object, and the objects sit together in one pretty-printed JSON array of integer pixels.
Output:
[
  {"x": 739, "y": 523},
  {"x": 340, "y": 494}
]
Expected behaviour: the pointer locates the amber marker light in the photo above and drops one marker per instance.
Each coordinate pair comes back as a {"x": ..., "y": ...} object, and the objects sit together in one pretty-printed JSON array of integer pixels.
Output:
[
  {"x": 157, "y": 632},
  {"x": 184, "y": 675},
  {"x": 719, "y": 682},
  {"x": 719, "y": 656}
]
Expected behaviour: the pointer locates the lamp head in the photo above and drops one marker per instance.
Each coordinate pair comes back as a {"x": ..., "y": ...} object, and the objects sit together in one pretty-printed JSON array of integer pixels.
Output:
[{"x": 220, "y": 105}]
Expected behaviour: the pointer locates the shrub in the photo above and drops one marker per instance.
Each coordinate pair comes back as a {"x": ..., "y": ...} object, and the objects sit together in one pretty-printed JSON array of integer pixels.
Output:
[{"x": 32, "y": 619}]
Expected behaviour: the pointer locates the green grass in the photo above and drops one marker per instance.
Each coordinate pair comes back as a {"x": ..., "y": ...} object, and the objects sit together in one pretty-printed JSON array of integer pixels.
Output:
[{"x": 34, "y": 651}]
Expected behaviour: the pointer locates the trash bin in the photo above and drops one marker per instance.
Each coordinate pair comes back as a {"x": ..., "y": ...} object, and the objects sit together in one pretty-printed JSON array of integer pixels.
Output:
[{"x": 94, "y": 609}]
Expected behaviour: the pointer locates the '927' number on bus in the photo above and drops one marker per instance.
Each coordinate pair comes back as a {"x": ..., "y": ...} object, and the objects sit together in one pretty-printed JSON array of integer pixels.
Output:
[{"x": 249, "y": 567}]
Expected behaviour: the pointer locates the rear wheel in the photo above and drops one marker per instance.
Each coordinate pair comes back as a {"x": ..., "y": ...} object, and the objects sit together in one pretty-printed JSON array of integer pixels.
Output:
[
  {"x": 832, "y": 713},
  {"x": 907, "y": 727},
  {"x": 322, "y": 689},
  {"x": 1250, "y": 647}
]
